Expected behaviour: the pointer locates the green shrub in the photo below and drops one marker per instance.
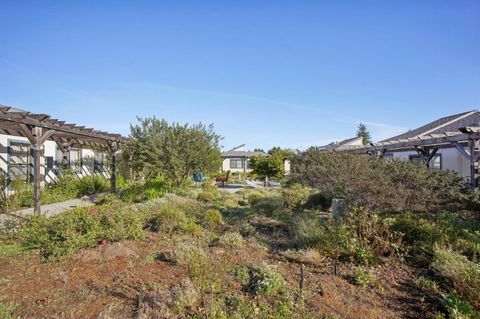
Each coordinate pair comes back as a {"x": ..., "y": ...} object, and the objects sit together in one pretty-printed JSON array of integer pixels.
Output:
[
  {"x": 80, "y": 228},
  {"x": 169, "y": 218},
  {"x": 213, "y": 217},
  {"x": 464, "y": 274},
  {"x": 89, "y": 185},
  {"x": 377, "y": 184},
  {"x": 364, "y": 278},
  {"x": 268, "y": 206},
  {"x": 361, "y": 238},
  {"x": 295, "y": 195},
  {"x": 444, "y": 229},
  {"x": 459, "y": 309},
  {"x": 207, "y": 196},
  {"x": 264, "y": 281},
  {"x": 231, "y": 240},
  {"x": 426, "y": 285},
  {"x": 319, "y": 201}
]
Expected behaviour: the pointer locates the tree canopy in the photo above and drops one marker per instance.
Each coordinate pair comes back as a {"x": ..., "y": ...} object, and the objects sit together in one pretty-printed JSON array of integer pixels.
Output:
[
  {"x": 173, "y": 150},
  {"x": 268, "y": 166},
  {"x": 362, "y": 131}
]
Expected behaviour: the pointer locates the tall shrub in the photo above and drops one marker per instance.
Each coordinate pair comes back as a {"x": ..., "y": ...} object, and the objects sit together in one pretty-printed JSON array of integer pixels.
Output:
[
  {"x": 173, "y": 150},
  {"x": 375, "y": 183}
]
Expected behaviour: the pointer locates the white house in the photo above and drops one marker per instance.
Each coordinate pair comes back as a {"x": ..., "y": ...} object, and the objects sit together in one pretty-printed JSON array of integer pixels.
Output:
[
  {"x": 17, "y": 161},
  {"x": 448, "y": 157},
  {"x": 239, "y": 160},
  {"x": 344, "y": 145}
]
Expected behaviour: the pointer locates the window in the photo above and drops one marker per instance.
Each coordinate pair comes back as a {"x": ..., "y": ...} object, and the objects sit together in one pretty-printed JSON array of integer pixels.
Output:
[
  {"x": 99, "y": 162},
  {"x": 435, "y": 162},
  {"x": 76, "y": 160},
  {"x": 236, "y": 163},
  {"x": 20, "y": 162}
]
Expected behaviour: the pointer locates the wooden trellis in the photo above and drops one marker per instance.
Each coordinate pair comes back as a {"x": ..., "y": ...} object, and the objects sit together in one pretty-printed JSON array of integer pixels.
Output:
[
  {"x": 38, "y": 128},
  {"x": 466, "y": 141}
]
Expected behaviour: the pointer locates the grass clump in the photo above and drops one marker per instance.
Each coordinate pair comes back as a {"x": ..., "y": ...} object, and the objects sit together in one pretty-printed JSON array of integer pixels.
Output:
[
  {"x": 295, "y": 196},
  {"x": 213, "y": 218},
  {"x": 168, "y": 218},
  {"x": 64, "y": 234},
  {"x": 231, "y": 240}
]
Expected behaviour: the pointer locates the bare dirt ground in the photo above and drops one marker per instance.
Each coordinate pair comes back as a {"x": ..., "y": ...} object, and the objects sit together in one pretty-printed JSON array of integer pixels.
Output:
[{"x": 108, "y": 281}]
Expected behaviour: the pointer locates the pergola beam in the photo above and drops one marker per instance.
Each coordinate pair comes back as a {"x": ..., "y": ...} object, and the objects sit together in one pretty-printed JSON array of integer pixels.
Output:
[{"x": 38, "y": 128}]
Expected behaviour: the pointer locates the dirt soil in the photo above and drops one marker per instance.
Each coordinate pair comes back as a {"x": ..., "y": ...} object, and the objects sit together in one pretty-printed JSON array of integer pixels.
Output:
[{"x": 108, "y": 281}]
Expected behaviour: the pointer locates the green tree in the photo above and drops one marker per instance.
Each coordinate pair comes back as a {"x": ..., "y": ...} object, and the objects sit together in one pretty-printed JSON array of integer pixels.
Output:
[
  {"x": 362, "y": 131},
  {"x": 268, "y": 166},
  {"x": 282, "y": 154},
  {"x": 173, "y": 150}
]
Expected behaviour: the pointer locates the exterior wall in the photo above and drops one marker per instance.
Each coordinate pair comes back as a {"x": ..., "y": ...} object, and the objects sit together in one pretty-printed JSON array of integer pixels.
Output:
[
  {"x": 245, "y": 169},
  {"x": 50, "y": 150},
  {"x": 451, "y": 160}
]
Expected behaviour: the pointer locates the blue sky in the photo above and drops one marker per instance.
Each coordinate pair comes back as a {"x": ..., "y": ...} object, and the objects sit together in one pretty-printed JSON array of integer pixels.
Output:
[{"x": 266, "y": 73}]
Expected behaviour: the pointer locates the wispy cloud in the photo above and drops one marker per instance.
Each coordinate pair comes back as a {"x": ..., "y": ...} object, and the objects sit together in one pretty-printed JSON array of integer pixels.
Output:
[
  {"x": 266, "y": 100},
  {"x": 383, "y": 131}
]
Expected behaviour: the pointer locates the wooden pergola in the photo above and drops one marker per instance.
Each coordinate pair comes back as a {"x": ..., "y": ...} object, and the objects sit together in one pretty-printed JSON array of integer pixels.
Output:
[
  {"x": 466, "y": 141},
  {"x": 38, "y": 128}
]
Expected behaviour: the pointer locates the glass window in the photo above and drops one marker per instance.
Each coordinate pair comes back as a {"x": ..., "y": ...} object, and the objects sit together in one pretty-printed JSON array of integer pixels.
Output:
[
  {"x": 236, "y": 163},
  {"x": 20, "y": 162},
  {"x": 76, "y": 160},
  {"x": 99, "y": 162},
  {"x": 435, "y": 163}
]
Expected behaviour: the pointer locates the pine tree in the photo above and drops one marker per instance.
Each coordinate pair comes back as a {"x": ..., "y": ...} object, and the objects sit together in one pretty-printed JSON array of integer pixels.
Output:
[{"x": 363, "y": 132}]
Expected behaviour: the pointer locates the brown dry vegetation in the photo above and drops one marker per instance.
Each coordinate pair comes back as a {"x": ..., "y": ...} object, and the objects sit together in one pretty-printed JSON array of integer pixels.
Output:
[{"x": 180, "y": 271}]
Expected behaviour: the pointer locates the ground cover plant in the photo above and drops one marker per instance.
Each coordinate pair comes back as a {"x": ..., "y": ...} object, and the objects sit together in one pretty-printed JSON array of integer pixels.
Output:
[
  {"x": 200, "y": 252},
  {"x": 67, "y": 186}
]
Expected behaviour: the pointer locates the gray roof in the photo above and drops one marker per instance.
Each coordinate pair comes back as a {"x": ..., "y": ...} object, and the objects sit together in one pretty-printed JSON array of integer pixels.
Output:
[
  {"x": 446, "y": 124},
  {"x": 243, "y": 154},
  {"x": 340, "y": 145}
]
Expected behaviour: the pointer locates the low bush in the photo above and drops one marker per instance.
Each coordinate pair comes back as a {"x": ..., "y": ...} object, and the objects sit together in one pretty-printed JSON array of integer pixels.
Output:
[
  {"x": 295, "y": 195},
  {"x": 464, "y": 274},
  {"x": 267, "y": 206},
  {"x": 168, "y": 218},
  {"x": 319, "y": 201},
  {"x": 458, "y": 308},
  {"x": 67, "y": 186},
  {"x": 362, "y": 238},
  {"x": 425, "y": 232},
  {"x": 80, "y": 228},
  {"x": 213, "y": 218},
  {"x": 264, "y": 281},
  {"x": 364, "y": 278},
  {"x": 231, "y": 240}
]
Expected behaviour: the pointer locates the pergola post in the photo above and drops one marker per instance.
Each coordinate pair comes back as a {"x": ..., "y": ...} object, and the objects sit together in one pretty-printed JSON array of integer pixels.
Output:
[
  {"x": 426, "y": 154},
  {"x": 37, "y": 138},
  {"x": 472, "y": 160},
  {"x": 113, "y": 177}
]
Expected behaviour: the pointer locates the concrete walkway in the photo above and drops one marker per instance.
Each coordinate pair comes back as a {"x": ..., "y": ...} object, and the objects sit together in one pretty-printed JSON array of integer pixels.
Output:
[
  {"x": 53, "y": 209},
  {"x": 58, "y": 208}
]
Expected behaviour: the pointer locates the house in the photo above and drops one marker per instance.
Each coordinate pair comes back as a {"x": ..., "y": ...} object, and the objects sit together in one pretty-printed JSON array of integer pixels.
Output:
[
  {"x": 16, "y": 159},
  {"x": 448, "y": 156},
  {"x": 344, "y": 145},
  {"x": 239, "y": 160}
]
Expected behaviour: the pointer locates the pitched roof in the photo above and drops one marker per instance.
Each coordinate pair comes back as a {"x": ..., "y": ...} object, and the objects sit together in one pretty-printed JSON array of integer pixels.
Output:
[
  {"x": 348, "y": 143},
  {"x": 447, "y": 124},
  {"x": 233, "y": 153}
]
